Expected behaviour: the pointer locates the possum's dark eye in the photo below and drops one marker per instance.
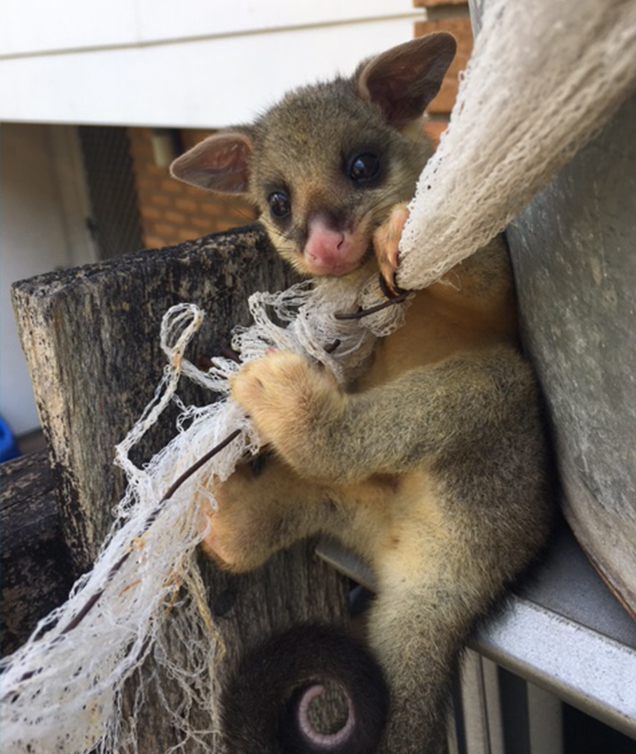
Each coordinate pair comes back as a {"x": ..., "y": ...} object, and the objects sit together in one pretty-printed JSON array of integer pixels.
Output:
[
  {"x": 363, "y": 168},
  {"x": 279, "y": 205}
]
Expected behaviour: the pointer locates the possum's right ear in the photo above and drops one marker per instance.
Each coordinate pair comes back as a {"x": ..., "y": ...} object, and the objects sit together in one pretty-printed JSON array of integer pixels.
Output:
[
  {"x": 219, "y": 163},
  {"x": 404, "y": 79}
]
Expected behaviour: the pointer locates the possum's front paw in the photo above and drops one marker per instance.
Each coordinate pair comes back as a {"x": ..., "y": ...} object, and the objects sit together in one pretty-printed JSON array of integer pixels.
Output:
[
  {"x": 286, "y": 397},
  {"x": 386, "y": 240}
]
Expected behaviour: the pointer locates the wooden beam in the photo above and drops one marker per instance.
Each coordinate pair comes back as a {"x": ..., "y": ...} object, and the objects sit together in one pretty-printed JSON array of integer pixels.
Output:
[{"x": 91, "y": 337}]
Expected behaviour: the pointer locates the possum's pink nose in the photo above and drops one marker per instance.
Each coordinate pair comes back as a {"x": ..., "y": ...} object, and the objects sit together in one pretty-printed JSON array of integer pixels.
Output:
[
  {"x": 329, "y": 251},
  {"x": 324, "y": 246}
]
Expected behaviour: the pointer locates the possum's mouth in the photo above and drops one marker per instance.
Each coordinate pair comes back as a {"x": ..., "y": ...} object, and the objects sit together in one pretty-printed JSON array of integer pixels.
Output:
[
  {"x": 366, "y": 257},
  {"x": 337, "y": 269},
  {"x": 364, "y": 260}
]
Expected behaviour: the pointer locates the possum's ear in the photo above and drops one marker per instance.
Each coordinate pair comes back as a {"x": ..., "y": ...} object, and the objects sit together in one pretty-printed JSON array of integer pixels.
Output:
[
  {"x": 219, "y": 163},
  {"x": 404, "y": 79}
]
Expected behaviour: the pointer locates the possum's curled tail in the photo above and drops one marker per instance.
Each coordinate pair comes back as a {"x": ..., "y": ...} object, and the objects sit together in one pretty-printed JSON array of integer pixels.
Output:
[{"x": 266, "y": 703}]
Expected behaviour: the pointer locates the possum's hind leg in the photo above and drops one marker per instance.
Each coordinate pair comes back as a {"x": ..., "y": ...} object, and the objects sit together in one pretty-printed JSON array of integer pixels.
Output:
[
  {"x": 417, "y": 647},
  {"x": 432, "y": 588}
]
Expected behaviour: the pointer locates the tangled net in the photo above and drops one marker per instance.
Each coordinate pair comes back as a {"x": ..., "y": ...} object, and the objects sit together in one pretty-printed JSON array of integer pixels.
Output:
[
  {"x": 63, "y": 691},
  {"x": 543, "y": 78}
]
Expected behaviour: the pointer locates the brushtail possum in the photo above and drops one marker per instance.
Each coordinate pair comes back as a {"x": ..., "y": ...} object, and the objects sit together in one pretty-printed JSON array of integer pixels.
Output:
[{"x": 432, "y": 465}]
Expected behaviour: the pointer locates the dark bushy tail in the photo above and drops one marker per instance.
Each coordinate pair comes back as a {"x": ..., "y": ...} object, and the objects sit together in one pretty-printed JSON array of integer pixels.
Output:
[{"x": 265, "y": 704}]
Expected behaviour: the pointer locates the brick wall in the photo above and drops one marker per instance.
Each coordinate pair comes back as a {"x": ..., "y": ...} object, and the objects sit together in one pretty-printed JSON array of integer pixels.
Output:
[
  {"x": 172, "y": 212},
  {"x": 452, "y": 16}
]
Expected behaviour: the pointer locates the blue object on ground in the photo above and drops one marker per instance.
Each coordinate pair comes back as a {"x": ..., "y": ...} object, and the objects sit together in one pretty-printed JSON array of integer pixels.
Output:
[{"x": 8, "y": 446}]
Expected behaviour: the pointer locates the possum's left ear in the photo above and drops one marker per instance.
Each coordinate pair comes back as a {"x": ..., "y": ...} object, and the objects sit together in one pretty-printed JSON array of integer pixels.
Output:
[
  {"x": 219, "y": 163},
  {"x": 404, "y": 79}
]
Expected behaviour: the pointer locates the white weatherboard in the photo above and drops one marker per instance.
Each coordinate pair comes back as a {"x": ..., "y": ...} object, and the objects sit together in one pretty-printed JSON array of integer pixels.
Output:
[{"x": 195, "y": 64}]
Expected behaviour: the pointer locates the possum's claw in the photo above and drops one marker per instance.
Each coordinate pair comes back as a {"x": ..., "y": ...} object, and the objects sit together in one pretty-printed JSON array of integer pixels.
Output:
[{"x": 386, "y": 240}]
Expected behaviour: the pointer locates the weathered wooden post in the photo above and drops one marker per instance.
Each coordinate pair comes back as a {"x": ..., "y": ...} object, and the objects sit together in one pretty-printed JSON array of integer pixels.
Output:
[{"x": 91, "y": 337}]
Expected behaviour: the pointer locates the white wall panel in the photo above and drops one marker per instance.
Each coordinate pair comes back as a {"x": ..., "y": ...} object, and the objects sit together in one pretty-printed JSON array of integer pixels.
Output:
[
  {"x": 206, "y": 83},
  {"x": 34, "y": 26},
  {"x": 158, "y": 19},
  {"x": 37, "y": 26}
]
